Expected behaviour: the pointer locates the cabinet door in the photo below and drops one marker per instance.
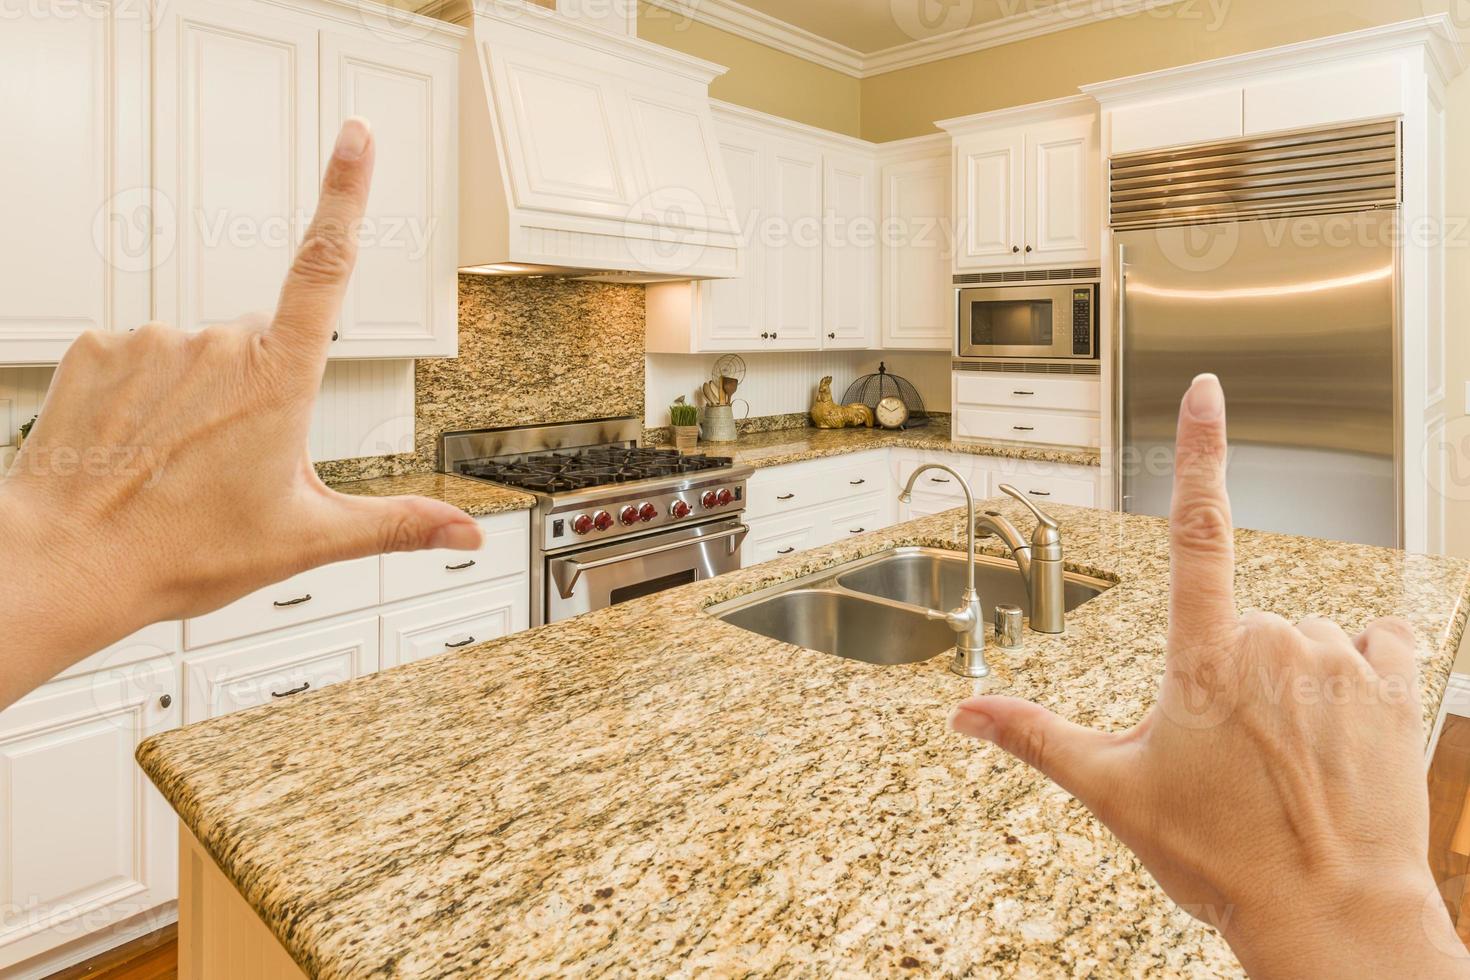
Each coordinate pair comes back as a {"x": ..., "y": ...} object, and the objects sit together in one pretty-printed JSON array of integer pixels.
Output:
[
  {"x": 794, "y": 246},
  {"x": 918, "y": 255},
  {"x": 403, "y": 299},
  {"x": 988, "y": 194},
  {"x": 731, "y": 314},
  {"x": 77, "y": 239},
  {"x": 1063, "y": 222},
  {"x": 780, "y": 537},
  {"x": 87, "y": 841},
  {"x": 460, "y": 620},
  {"x": 235, "y": 155},
  {"x": 850, "y": 273},
  {"x": 224, "y": 680}
]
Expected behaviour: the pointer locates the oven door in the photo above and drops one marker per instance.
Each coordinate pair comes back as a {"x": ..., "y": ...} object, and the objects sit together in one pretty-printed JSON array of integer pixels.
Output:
[
  {"x": 1016, "y": 321},
  {"x": 599, "y": 577}
]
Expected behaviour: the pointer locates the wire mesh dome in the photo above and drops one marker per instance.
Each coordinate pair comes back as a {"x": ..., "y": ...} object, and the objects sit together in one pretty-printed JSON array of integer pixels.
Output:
[{"x": 870, "y": 389}]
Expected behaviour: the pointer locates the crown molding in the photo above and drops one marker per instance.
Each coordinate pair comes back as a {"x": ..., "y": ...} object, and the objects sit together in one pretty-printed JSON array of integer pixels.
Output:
[{"x": 736, "y": 18}]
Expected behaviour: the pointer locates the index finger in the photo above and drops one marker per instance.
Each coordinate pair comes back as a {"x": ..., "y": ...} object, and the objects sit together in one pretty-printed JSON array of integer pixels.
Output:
[
  {"x": 1201, "y": 538},
  {"x": 311, "y": 298}
]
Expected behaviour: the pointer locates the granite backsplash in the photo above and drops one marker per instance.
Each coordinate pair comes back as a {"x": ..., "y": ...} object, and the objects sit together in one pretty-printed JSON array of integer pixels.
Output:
[{"x": 530, "y": 351}]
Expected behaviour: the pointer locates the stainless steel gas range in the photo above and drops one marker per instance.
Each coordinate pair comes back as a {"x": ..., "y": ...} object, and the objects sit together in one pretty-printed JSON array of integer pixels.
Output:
[{"x": 612, "y": 521}]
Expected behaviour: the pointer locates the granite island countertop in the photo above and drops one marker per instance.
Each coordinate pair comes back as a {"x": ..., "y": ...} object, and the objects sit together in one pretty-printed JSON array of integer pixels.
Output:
[
  {"x": 645, "y": 791},
  {"x": 781, "y": 446},
  {"x": 474, "y": 497}
]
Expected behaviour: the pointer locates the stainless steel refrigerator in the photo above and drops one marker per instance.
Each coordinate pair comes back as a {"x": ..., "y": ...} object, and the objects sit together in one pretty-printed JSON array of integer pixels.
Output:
[{"x": 1273, "y": 264}]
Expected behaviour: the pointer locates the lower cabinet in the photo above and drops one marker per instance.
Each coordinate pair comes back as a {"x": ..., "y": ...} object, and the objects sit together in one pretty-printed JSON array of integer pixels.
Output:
[
  {"x": 777, "y": 537},
  {"x": 462, "y": 620},
  {"x": 87, "y": 842}
]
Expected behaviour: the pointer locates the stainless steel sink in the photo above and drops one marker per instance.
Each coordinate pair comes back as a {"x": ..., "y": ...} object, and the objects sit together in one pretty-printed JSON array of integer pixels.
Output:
[
  {"x": 872, "y": 609},
  {"x": 936, "y": 580},
  {"x": 846, "y": 625}
]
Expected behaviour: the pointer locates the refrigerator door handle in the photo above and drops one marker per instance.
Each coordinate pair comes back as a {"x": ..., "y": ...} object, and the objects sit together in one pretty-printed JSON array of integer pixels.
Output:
[{"x": 1119, "y": 445}]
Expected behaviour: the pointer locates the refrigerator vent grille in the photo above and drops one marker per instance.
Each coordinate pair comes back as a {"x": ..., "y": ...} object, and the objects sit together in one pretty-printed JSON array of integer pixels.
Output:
[
  {"x": 1320, "y": 171},
  {"x": 1028, "y": 275}
]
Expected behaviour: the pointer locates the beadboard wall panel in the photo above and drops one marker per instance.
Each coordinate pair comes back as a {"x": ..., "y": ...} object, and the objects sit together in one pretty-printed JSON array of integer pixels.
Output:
[
  {"x": 365, "y": 408},
  {"x": 783, "y": 383}
]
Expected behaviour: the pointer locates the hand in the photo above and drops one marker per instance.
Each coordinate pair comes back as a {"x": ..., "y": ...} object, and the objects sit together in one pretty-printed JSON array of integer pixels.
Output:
[
  {"x": 168, "y": 474},
  {"x": 1277, "y": 789}
]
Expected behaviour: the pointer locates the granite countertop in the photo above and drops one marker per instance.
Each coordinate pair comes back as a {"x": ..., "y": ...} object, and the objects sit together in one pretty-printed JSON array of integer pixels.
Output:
[
  {"x": 648, "y": 791},
  {"x": 782, "y": 446},
  {"x": 471, "y": 496}
]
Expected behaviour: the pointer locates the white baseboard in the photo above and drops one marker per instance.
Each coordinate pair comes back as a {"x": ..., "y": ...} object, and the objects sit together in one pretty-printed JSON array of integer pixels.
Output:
[
  {"x": 1456, "y": 702},
  {"x": 95, "y": 944}
]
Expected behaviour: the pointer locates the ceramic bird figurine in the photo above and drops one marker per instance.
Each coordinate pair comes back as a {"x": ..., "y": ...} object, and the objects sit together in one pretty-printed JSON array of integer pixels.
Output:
[{"x": 827, "y": 414}]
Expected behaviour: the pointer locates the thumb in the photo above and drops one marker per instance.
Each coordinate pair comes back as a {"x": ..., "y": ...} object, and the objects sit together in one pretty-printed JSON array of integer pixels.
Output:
[
  {"x": 1075, "y": 758},
  {"x": 357, "y": 527}
]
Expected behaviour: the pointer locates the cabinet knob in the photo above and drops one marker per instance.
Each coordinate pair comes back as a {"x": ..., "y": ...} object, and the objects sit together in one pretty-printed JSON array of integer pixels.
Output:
[
  {"x": 765, "y": 335},
  {"x": 831, "y": 336},
  {"x": 773, "y": 335},
  {"x": 166, "y": 700},
  {"x": 1015, "y": 249},
  {"x": 1029, "y": 249},
  {"x": 335, "y": 334}
]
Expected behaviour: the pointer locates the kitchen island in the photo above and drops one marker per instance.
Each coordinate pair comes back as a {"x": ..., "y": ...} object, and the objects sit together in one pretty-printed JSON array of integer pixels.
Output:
[{"x": 648, "y": 791}]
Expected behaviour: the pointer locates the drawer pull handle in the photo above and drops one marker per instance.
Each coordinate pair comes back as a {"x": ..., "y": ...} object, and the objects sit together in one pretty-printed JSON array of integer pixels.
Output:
[
  {"x": 1023, "y": 392},
  {"x": 939, "y": 479},
  {"x": 462, "y": 643},
  {"x": 1039, "y": 493},
  {"x": 856, "y": 483},
  {"x": 292, "y": 602},
  {"x": 305, "y": 685},
  {"x": 856, "y": 530},
  {"x": 789, "y": 496},
  {"x": 1024, "y": 428},
  {"x": 460, "y": 567},
  {"x": 784, "y": 551}
]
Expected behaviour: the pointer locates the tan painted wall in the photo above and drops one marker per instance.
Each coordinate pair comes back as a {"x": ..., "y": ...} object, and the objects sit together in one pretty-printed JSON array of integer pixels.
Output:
[{"x": 761, "y": 78}]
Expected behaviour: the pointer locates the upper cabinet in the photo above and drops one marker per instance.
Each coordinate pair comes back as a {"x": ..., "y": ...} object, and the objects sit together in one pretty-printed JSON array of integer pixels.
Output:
[
  {"x": 807, "y": 203},
  {"x": 76, "y": 240},
  {"x": 186, "y": 203},
  {"x": 916, "y": 248},
  {"x": 1027, "y": 186}
]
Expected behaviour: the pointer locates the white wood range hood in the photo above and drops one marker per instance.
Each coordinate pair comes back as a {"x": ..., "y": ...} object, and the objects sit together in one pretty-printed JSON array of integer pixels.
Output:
[{"x": 588, "y": 152}]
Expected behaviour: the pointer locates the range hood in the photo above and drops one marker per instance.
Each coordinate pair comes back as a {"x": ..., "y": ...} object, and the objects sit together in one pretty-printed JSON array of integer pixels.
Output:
[{"x": 588, "y": 153}]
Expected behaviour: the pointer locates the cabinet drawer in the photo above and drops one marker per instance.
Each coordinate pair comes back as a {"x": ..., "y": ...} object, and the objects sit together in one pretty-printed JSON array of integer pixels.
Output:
[
  {"x": 246, "y": 676},
  {"x": 1038, "y": 427},
  {"x": 158, "y": 640},
  {"x": 455, "y": 622},
  {"x": 505, "y": 553},
  {"x": 1028, "y": 392},
  {"x": 787, "y": 489},
  {"x": 936, "y": 483},
  {"x": 925, "y": 504},
  {"x": 317, "y": 594},
  {"x": 872, "y": 512},
  {"x": 779, "y": 537},
  {"x": 1047, "y": 485}
]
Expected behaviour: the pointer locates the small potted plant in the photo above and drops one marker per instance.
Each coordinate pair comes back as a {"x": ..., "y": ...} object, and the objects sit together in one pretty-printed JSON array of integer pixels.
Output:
[
  {"x": 25, "y": 430},
  {"x": 685, "y": 419}
]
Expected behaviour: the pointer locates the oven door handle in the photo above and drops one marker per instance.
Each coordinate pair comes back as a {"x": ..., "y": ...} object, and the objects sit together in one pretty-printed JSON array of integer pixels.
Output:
[{"x": 567, "y": 571}]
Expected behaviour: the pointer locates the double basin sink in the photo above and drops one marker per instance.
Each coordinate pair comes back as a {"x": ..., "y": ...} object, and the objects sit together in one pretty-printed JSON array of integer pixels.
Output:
[{"x": 873, "y": 609}]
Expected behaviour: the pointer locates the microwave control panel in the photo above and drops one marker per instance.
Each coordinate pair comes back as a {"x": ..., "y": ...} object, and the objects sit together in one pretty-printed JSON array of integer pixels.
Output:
[{"x": 1082, "y": 320}]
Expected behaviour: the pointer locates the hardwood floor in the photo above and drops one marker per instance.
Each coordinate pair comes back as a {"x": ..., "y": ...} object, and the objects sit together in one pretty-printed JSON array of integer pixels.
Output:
[{"x": 151, "y": 957}]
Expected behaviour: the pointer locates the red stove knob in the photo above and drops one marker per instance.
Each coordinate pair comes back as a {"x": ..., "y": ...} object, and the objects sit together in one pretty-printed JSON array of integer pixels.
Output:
[
  {"x": 629, "y": 515},
  {"x": 581, "y": 524},
  {"x": 602, "y": 520},
  {"x": 725, "y": 497},
  {"x": 679, "y": 509},
  {"x": 647, "y": 513},
  {"x": 711, "y": 500}
]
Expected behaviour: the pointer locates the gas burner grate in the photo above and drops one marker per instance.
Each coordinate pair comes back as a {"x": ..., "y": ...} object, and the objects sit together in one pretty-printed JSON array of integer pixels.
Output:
[{"x": 565, "y": 472}]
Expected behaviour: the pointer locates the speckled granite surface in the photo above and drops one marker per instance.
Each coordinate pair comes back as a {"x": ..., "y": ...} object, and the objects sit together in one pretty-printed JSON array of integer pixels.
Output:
[
  {"x": 471, "y": 496},
  {"x": 646, "y": 791},
  {"x": 784, "y": 446}
]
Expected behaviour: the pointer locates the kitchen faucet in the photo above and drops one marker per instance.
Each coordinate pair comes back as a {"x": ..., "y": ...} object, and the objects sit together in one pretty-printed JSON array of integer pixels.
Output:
[
  {"x": 1040, "y": 562},
  {"x": 968, "y": 621}
]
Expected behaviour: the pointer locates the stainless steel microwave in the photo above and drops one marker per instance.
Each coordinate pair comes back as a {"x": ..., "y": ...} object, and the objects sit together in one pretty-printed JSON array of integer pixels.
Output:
[{"x": 1034, "y": 320}]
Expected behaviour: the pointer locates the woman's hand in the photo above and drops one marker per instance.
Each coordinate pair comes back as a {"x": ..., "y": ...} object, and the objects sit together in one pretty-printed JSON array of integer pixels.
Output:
[
  {"x": 1277, "y": 789},
  {"x": 168, "y": 473}
]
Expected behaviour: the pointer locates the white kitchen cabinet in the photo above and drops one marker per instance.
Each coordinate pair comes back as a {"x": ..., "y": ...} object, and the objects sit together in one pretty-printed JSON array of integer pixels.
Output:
[
  {"x": 917, "y": 249},
  {"x": 455, "y": 621},
  {"x": 731, "y": 313},
  {"x": 1027, "y": 408},
  {"x": 850, "y": 258},
  {"x": 88, "y": 843},
  {"x": 1178, "y": 120},
  {"x": 318, "y": 593},
  {"x": 237, "y": 676},
  {"x": 1028, "y": 185},
  {"x": 782, "y": 536},
  {"x": 793, "y": 260},
  {"x": 403, "y": 300},
  {"x": 77, "y": 242},
  {"x": 236, "y": 156}
]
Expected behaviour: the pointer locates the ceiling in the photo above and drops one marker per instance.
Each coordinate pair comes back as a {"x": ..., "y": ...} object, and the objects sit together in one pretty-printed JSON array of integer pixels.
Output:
[{"x": 868, "y": 26}]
